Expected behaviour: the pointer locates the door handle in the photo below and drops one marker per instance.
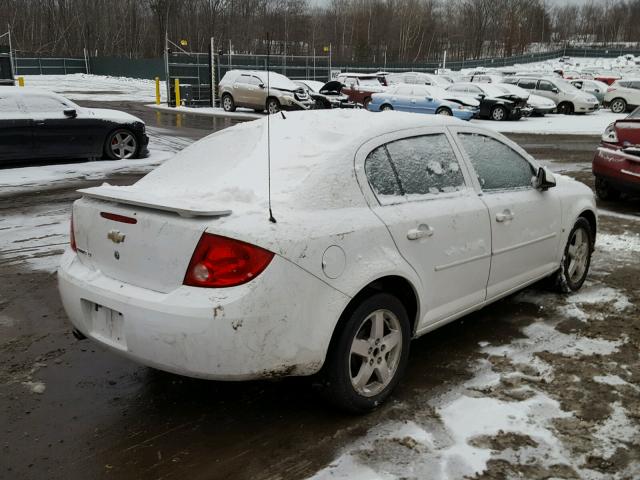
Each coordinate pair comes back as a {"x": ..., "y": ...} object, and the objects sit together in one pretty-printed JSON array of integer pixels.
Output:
[
  {"x": 422, "y": 231},
  {"x": 504, "y": 216}
]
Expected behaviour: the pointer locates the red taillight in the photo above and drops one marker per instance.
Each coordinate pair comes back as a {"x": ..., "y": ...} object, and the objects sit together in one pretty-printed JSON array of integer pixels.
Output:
[
  {"x": 119, "y": 218},
  {"x": 219, "y": 262},
  {"x": 72, "y": 236}
]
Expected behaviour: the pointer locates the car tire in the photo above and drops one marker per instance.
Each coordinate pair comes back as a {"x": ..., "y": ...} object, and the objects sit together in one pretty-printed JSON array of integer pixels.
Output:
[
  {"x": 499, "y": 113},
  {"x": 605, "y": 191},
  {"x": 121, "y": 144},
  {"x": 565, "y": 108},
  {"x": 228, "y": 104},
  {"x": 618, "y": 105},
  {"x": 444, "y": 111},
  {"x": 362, "y": 369},
  {"x": 576, "y": 258},
  {"x": 386, "y": 107},
  {"x": 272, "y": 105},
  {"x": 366, "y": 102}
]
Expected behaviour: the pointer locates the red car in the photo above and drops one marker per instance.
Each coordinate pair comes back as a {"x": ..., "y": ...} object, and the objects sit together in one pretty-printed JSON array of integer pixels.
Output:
[
  {"x": 360, "y": 86},
  {"x": 616, "y": 164}
]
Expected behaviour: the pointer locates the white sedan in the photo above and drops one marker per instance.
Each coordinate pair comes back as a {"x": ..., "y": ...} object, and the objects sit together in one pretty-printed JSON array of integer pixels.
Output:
[{"x": 384, "y": 227}]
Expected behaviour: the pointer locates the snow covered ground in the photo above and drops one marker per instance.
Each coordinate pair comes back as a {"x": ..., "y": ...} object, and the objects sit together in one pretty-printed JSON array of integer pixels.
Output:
[
  {"x": 80, "y": 86},
  {"x": 240, "y": 113},
  {"x": 588, "y": 124}
]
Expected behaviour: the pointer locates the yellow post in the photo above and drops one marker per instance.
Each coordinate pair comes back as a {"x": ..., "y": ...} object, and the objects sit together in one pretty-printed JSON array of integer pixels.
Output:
[
  {"x": 177, "y": 90},
  {"x": 157, "y": 90},
  {"x": 21, "y": 81}
]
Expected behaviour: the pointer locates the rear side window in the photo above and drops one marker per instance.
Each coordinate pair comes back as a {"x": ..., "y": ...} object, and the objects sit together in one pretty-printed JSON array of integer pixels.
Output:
[
  {"x": 381, "y": 176},
  {"x": 497, "y": 165},
  {"x": 528, "y": 84},
  {"x": 635, "y": 85},
  {"x": 426, "y": 165},
  {"x": 8, "y": 105}
]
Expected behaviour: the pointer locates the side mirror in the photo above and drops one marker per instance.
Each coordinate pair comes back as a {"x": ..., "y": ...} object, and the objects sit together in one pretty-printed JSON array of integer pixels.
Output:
[
  {"x": 71, "y": 113},
  {"x": 261, "y": 85},
  {"x": 544, "y": 180},
  {"x": 429, "y": 99},
  {"x": 555, "y": 90}
]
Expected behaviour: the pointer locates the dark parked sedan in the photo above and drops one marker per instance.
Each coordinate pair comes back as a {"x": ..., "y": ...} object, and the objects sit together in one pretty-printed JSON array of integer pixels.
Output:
[
  {"x": 495, "y": 104},
  {"x": 38, "y": 124}
]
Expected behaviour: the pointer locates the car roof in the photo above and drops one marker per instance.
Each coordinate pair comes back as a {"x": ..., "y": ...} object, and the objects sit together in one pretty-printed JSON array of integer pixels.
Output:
[{"x": 312, "y": 155}]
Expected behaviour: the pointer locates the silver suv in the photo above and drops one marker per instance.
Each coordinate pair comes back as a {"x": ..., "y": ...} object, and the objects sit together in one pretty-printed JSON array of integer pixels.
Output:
[
  {"x": 623, "y": 95},
  {"x": 261, "y": 91},
  {"x": 568, "y": 98}
]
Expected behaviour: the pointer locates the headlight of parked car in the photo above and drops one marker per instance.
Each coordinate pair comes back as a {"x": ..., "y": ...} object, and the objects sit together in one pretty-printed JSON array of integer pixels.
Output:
[{"x": 610, "y": 135}]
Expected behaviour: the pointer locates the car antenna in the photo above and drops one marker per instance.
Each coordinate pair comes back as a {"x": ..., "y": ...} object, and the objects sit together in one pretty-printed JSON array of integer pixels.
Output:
[{"x": 271, "y": 217}]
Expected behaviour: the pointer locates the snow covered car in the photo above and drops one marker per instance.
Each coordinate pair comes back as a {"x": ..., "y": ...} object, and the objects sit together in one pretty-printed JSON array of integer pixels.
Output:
[
  {"x": 616, "y": 164},
  {"x": 594, "y": 87},
  {"x": 360, "y": 87},
  {"x": 495, "y": 104},
  {"x": 418, "y": 99},
  {"x": 623, "y": 95},
  {"x": 326, "y": 95},
  {"x": 417, "y": 78},
  {"x": 399, "y": 224},
  {"x": 38, "y": 124},
  {"x": 261, "y": 91},
  {"x": 569, "y": 99}
]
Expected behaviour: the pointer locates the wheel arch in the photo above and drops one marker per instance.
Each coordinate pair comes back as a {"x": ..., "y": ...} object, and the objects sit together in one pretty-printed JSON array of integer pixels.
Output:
[
  {"x": 590, "y": 216},
  {"x": 397, "y": 286}
]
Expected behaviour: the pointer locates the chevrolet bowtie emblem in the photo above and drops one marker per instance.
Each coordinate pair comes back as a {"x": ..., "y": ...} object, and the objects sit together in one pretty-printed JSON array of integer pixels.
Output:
[{"x": 115, "y": 236}]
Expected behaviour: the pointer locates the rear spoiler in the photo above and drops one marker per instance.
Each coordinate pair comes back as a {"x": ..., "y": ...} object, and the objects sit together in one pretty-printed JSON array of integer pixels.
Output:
[{"x": 128, "y": 197}]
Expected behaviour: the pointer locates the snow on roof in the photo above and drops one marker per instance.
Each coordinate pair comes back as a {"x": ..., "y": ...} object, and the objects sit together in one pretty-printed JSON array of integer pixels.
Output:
[
  {"x": 276, "y": 80},
  {"x": 312, "y": 155}
]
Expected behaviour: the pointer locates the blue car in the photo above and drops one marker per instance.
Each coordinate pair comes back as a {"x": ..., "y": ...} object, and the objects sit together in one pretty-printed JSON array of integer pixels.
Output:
[{"x": 418, "y": 99}]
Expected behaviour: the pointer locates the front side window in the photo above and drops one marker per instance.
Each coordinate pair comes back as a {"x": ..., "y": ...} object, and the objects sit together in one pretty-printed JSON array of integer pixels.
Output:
[
  {"x": 497, "y": 165},
  {"x": 426, "y": 165}
]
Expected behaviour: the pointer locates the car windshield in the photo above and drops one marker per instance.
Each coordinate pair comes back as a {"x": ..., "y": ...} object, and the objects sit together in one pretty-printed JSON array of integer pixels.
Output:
[{"x": 369, "y": 82}]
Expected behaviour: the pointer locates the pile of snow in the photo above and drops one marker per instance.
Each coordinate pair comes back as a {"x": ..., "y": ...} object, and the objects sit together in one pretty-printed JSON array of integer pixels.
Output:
[{"x": 81, "y": 86}]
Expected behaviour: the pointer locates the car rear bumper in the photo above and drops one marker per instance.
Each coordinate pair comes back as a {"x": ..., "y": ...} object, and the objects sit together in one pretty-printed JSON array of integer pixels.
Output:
[
  {"x": 277, "y": 325},
  {"x": 464, "y": 114},
  {"x": 620, "y": 169}
]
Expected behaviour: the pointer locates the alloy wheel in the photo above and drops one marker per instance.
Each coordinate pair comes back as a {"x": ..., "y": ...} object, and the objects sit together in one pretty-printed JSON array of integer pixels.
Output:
[
  {"x": 123, "y": 145},
  {"x": 375, "y": 353},
  {"x": 618, "y": 106},
  {"x": 273, "y": 107},
  {"x": 578, "y": 255},
  {"x": 498, "y": 114}
]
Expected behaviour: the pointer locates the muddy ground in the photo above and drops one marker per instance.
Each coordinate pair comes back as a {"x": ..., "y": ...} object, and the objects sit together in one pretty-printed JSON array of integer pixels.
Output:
[{"x": 69, "y": 409}]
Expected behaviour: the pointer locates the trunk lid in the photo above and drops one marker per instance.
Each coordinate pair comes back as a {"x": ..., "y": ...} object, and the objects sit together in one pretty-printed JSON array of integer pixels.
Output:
[{"x": 151, "y": 248}]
